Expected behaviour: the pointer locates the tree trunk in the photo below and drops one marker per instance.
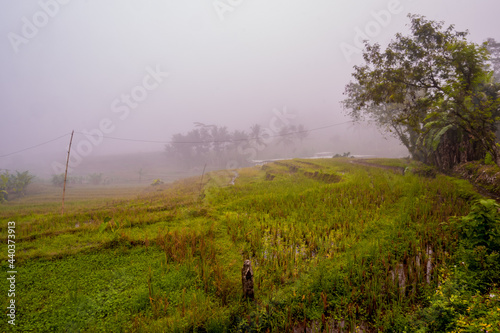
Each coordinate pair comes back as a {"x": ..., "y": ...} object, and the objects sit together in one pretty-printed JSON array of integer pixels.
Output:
[{"x": 455, "y": 148}]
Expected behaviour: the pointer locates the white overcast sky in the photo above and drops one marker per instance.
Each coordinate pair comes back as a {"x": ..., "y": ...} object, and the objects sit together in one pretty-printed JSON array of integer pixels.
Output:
[{"x": 230, "y": 66}]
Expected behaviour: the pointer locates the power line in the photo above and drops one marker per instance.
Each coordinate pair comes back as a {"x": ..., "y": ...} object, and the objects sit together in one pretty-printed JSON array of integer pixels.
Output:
[
  {"x": 225, "y": 141},
  {"x": 35, "y": 146},
  {"x": 183, "y": 142}
]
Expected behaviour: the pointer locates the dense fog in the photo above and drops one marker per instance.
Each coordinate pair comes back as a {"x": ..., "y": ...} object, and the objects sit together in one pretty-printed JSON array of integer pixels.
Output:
[{"x": 131, "y": 76}]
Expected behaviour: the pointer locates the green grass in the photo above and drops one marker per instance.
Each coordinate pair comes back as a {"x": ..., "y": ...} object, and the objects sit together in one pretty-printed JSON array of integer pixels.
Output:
[
  {"x": 327, "y": 240},
  {"x": 393, "y": 162}
]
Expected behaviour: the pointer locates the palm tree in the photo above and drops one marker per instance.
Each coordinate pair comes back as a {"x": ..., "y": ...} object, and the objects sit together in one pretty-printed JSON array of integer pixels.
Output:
[
  {"x": 287, "y": 135},
  {"x": 256, "y": 134}
]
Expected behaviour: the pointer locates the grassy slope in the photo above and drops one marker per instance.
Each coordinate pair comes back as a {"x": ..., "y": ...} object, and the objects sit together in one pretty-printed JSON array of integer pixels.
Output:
[{"x": 323, "y": 251}]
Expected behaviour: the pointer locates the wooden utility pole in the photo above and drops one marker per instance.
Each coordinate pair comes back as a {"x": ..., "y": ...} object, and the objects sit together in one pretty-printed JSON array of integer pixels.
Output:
[
  {"x": 66, "y": 172},
  {"x": 201, "y": 180}
]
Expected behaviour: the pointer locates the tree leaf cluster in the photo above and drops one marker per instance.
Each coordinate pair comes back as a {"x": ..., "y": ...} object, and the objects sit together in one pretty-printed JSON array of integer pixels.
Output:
[{"x": 429, "y": 88}]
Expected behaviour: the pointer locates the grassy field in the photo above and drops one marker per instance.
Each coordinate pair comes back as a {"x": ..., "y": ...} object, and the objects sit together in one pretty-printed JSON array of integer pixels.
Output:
[{"x": 332, "y": 244}]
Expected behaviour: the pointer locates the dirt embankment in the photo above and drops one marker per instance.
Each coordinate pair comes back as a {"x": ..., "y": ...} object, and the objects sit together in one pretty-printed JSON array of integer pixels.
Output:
[{"x": 485, "y": 177}]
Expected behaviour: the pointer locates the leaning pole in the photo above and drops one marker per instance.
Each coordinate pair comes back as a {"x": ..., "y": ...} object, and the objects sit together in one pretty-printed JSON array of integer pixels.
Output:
[{"x": 66, "y": 172}]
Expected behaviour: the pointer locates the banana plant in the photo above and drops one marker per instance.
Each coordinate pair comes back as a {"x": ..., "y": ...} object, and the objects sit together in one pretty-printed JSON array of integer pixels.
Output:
[{"x": 4, "y": 180}]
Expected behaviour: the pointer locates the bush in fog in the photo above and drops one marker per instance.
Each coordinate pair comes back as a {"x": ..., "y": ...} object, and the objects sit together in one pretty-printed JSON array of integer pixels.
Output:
[
  {"x": 95, "y": 178},
  {"x": 157, "y": 182},
  {"x": 14, "y": 184},
  {"x": 57, "y": 180}
]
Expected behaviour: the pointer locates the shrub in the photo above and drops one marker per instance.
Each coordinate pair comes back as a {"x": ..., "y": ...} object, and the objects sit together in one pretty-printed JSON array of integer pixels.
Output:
[
  {"x": 479, "y": 244},
  {"x": 467, "y": 298},
  {"x": 157, "y": 182},
  {"x": 424, "y": 171},
  {"x": 3, "y": 196},
  {"x": 481, "y": 227},
  {"x": 488, "y": 159},
  {"x": 14, "y": 184}
]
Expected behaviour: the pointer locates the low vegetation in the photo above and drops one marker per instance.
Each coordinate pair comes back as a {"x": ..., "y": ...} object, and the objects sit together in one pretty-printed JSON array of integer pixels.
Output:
[
  {"x": 333, "y": 244},
  {"x": 14, "y": 184}
]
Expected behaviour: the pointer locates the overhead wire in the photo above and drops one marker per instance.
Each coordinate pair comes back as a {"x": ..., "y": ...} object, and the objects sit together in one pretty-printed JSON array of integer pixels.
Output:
[
  {"x": 35, "y": 146},
  {"x": 225, "y": 141},
  {"x": 182, "y": 142}
]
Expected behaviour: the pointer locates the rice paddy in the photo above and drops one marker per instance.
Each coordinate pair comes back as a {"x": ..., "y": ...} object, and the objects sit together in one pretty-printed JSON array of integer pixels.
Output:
[{"x": 333, "y": 246}]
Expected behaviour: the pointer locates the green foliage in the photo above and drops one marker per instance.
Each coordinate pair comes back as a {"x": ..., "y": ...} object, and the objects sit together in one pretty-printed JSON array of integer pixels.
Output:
[
  {"x": 3, "y": 195},
  {"x": 482, "y": 313},
  {"x": 479, "y": 250},
  {"x": 444, "y": 307},
  {"x": 481, "y": 227},
  {"x": 467, "y": 298},
  {"x": 454, "y": 308},
  {"x": 433, "y": 138},
  {"x": 14, "y": 184},
  {"x": 423, "y": 170},
  {"x": 430, "y": 89},
  {"x": 488, "y": 159},
  {"x": 157, "y": 182}
]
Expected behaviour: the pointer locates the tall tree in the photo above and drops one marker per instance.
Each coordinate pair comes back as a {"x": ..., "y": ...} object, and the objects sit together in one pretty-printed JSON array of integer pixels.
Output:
[
  {"x": 286, "y": 135},
  {"x": 427, "y": 84},
  {"x": 301, "y": 133},
  {"x": 256, "y": 134}
]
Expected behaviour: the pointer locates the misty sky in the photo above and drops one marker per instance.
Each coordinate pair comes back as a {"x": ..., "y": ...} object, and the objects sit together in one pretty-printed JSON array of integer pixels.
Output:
[{"x": 146, "y": 69}]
